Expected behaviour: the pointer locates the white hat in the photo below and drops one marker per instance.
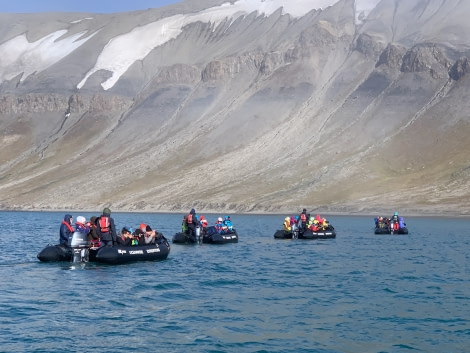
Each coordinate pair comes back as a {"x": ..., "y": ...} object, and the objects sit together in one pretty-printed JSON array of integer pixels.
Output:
[{"x": 81, "y": 219}]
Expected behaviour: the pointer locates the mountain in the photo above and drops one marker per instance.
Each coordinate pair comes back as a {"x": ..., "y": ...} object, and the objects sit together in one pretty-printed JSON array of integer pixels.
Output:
[{"x": 338, "y": 106}]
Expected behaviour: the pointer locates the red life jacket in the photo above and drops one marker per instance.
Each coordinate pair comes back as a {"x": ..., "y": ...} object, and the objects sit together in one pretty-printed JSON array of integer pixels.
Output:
[
  {"x": 104, "y": 224},
  {"x": 190, "y": 218},
  {"x": 68, "y": 226},
  {"x": 303, "y": 217}
]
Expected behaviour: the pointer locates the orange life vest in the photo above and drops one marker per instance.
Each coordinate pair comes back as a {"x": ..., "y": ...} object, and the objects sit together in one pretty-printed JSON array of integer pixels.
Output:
[
  {"x": 303, "y": 217},
  {"x": 70, "y": 228},
  {"x": 104, "y": 224}
]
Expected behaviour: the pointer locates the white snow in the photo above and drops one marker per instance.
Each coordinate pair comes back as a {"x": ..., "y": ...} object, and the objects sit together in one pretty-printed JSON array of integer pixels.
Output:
[
  {"x": 81, "y": 20},
  {"x": 122, "y": 51},
  {"x": 18, "y": 56}
]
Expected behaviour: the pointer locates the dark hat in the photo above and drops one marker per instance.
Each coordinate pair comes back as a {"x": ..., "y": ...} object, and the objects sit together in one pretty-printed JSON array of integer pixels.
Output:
[
  {"x": 106, "y": 211},
  {"x": 138, "y": 232},
  {"x": 127, "y": 229},
  {"x": 148, "y": 229}
]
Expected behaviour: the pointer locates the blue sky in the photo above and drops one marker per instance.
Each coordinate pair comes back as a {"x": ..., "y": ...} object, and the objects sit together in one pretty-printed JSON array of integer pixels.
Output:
[{"x": 93, "y": 6}]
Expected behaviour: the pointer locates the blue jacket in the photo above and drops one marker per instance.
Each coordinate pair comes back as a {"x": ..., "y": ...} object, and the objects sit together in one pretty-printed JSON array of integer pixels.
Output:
[{"x": 64, "y": 230}]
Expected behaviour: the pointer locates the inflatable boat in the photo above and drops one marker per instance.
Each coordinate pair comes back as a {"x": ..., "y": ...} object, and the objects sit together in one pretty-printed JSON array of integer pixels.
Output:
[
  {"x": 78, "y": 250},
  {"x": 115, "y": 255},
  {"x": 401, "y": 230},
  {"x": 212, "y": 236},
  {"x": 183, "y": 238},
  {"x": 282, "y": 234},
  {"x": 382, "y": 230},
  {"x": 327, "y": 233}
]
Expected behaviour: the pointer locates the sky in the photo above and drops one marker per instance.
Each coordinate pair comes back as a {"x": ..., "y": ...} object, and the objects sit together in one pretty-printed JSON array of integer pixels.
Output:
[{"x": 91, "y": 6}]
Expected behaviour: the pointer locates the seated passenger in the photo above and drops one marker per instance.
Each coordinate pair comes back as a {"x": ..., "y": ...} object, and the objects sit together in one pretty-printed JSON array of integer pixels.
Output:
[
  {"x": 228, "y": 223},
  {"x": 315, "y": 227},
  {"x": 292, "y": 221},
  {"x": 149, "y": 235},
  {"x": 126, "y": 237},
  {"x": 80, "y": 225},
  {"x": 138, "y": 237},
  {"x": 287, "y": 225},
  {"x": 204, "y": 223},
  {"x": 93, "y": 236},
  {"x": 184, "y": 225},
  {"x": 219, "y": 225},
  {"x": 401, "y": 222},
  {"x": 66, "y": 229},
  {"x": 310, "y": 222}
]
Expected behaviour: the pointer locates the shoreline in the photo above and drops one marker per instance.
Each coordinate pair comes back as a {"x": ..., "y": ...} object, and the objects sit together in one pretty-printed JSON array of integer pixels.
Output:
[{"x": 329, "y": 213}]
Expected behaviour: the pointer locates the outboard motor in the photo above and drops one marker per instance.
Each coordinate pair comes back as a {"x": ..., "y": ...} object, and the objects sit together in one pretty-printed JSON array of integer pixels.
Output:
[
  {"x": 198, "y": 234},
  {"x": 295, "y": 231},
  {"x": 80, "y": 246}
]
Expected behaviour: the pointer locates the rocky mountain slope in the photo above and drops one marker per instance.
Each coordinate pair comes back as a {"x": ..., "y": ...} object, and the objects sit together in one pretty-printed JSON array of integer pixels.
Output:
[{"x": 246, "y": 106}]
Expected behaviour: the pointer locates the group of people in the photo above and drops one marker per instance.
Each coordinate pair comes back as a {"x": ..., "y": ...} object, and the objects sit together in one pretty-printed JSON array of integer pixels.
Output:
[
  {"x": 101, "y": 231},
  {"x": 304, "y": 221},
  {"x": 395, "y": 222},
  {"x": 192, "y": 220}
]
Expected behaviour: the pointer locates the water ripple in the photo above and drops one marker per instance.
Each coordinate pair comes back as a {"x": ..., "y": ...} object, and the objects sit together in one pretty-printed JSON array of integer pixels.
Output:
[{"x": 357, "y": 293}]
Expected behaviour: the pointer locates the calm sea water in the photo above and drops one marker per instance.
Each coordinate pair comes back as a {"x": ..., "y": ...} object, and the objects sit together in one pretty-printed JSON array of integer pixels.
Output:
[{"x": 359, "y": 292}]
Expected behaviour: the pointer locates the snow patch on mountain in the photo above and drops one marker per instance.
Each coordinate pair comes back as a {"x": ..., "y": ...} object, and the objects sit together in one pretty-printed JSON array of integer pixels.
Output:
[
  {"x": 122, "y": 51},
  {"x": 19, "y": 56}
]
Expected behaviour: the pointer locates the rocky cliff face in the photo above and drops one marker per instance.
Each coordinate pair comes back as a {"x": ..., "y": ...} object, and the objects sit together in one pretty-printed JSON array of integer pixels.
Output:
[{"x": 253, "y": 113}]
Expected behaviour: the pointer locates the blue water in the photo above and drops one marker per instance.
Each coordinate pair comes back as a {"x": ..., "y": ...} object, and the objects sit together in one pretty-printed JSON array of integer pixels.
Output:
[{"x": 359, "y": 292}]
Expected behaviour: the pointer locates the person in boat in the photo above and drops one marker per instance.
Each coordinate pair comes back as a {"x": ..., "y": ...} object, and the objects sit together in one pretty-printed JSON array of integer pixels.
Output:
[
  {"x": 293, "y": 221},
  {"x": 379, "y": 223},
  {"x": 220, "y": 227},
  {"x": 192, "y": 222},
  {"x": 126, "y": 237},
  {"x": 287, "y": 225},
  {"x": 401, "y": 222},
  {"x": 151, "y": 235},
  {"x": 138, "y": 237},
  {"x": 394, "y": 221},
  {"x": 303, "y": 219},
  {"x": 66, "y": 229},
  {"x": 184, "y": 225},
  {"x": 313, "y": 224},
  {"x": 228, "y": 223},
  {"x": 106, "y": 228},
  {"x": 93, "y": 236},
  {"x": 204, "y": 223},
  {"x": 81, "y": 226},
  {"x": 324, "y": 224},
  {"x": 382, "y": 222}
]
